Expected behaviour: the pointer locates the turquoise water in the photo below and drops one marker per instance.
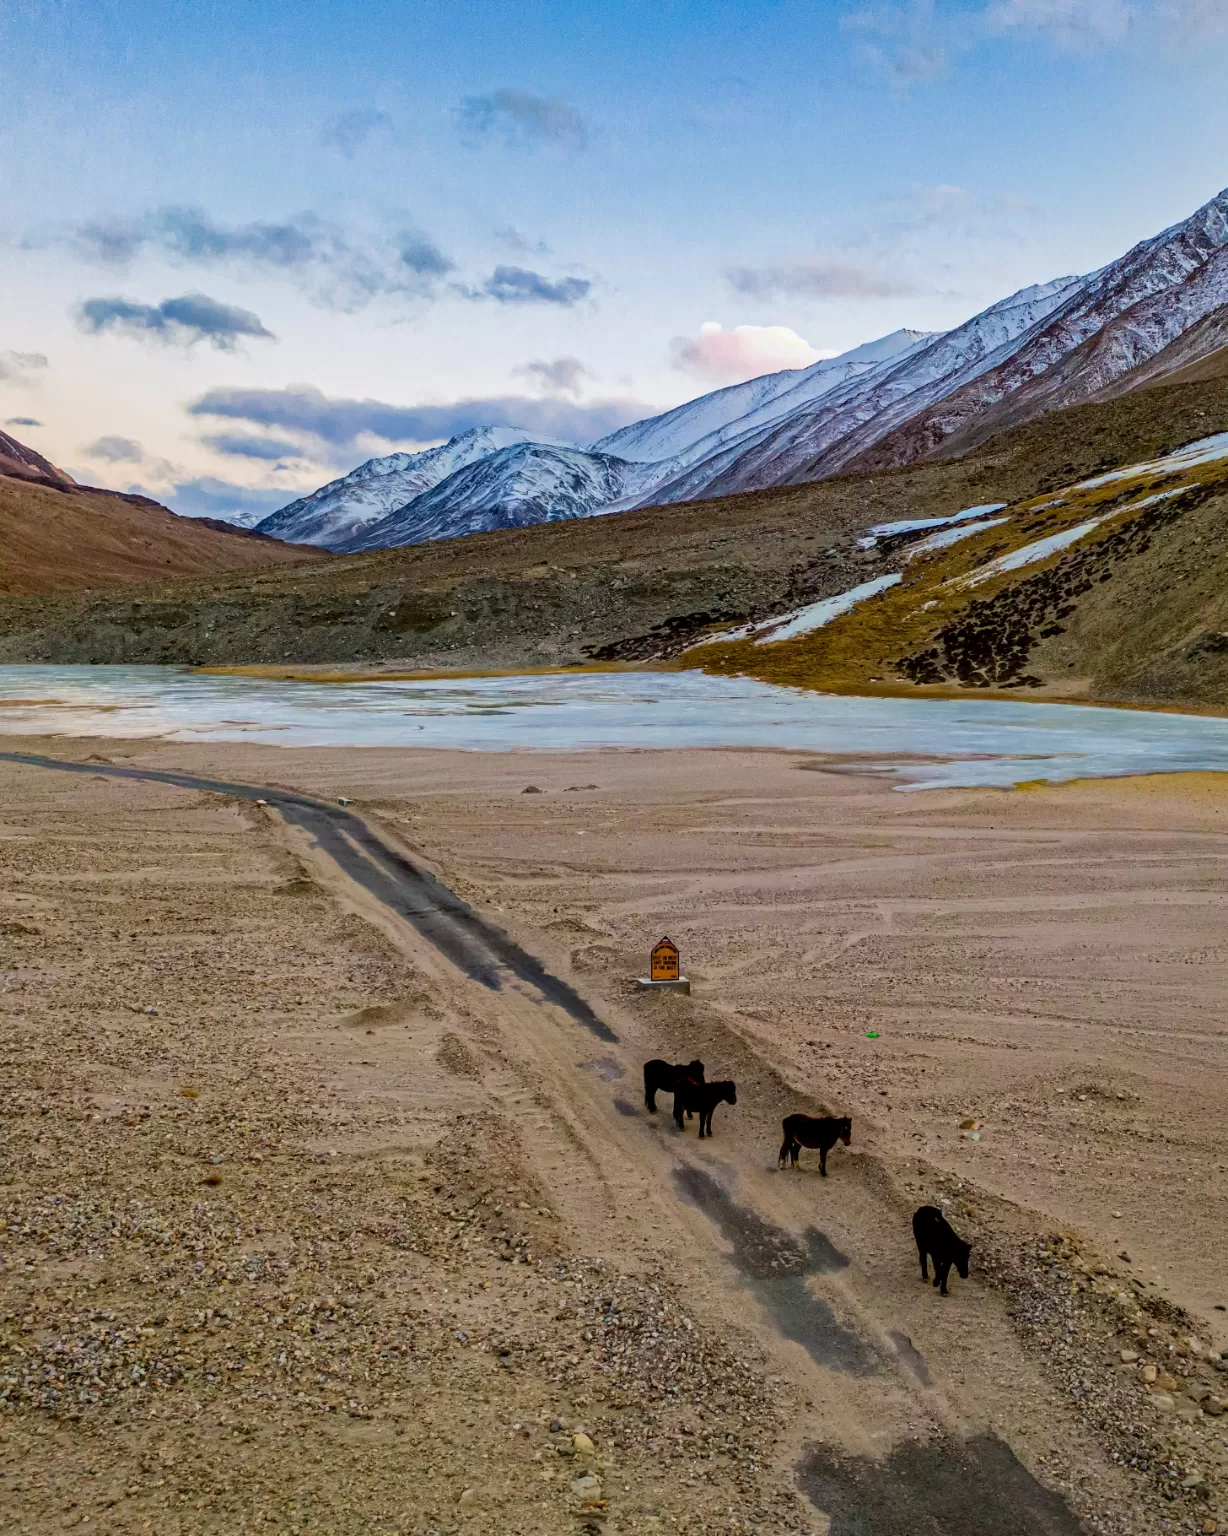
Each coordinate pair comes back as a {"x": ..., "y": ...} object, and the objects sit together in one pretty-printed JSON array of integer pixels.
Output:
[{"x": 957, "y": 741}]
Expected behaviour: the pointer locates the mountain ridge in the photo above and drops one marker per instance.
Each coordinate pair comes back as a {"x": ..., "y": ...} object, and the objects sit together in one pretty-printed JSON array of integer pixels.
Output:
[{"x": 905, "y": 398}]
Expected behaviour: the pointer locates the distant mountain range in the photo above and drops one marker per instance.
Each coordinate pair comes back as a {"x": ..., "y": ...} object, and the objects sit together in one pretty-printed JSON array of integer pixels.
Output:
[{"x": 1160, "y": 310}]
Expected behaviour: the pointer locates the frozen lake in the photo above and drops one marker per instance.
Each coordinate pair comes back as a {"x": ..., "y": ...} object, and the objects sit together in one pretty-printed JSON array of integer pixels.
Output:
[{"x": 961, "y": 741}]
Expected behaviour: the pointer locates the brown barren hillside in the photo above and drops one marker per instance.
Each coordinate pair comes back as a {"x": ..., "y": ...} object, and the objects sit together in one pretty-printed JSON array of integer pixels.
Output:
[{"x": 61, "y": 537}]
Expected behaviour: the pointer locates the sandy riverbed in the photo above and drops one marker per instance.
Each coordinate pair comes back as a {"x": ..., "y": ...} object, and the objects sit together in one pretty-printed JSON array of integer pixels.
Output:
[{"x": 1049, "y": 964}]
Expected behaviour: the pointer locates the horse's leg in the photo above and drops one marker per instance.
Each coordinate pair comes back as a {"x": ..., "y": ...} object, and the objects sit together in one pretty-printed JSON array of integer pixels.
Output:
[
  {"x": 823, "y": 1161},
  {"x": 650, "y": 1096},
  {"x": 925, "y": 1272},
  {"x": 942, "y": 1268}
]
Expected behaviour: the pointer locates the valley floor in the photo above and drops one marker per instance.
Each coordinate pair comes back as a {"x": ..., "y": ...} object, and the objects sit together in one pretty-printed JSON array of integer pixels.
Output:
[{"x": 307, "y": 1228}]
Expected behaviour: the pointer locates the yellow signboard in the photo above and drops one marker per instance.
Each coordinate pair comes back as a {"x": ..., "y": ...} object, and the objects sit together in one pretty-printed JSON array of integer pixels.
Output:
[{"x": 664, "y": 961}]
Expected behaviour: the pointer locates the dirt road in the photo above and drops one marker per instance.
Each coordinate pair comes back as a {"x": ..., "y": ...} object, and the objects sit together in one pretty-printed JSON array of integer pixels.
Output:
[{"x": 796, "y": 1311}]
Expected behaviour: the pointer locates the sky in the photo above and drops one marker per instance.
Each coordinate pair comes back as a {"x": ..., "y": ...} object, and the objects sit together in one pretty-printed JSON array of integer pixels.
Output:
[{"x": 246, "y": 245}]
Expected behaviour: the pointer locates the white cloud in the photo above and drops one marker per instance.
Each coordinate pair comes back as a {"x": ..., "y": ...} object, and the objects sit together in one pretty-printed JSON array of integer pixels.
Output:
[
  {"x": 914, "y": 43},
  {"x": 1073, "y": 23},
  {"x": 1191, "y": 20},
  {"x": 745, "y": 352},
  {"x": 20, "y": 367}
]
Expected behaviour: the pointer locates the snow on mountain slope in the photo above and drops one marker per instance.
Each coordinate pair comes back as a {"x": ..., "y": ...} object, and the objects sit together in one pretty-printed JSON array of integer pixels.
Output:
[
  {"x": 681, "y": 434},
  {"x": 337, "y": 511},
  {"x": 905, "y": 397},
  {"x": 872, "y": 404},
  {"x": 526, "y": 483},
  {"x": 1104, "y": 329}
]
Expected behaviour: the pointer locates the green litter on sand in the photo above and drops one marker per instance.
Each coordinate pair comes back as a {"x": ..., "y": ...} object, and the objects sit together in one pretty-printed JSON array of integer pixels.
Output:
[{"x": 871, "y": 1034}]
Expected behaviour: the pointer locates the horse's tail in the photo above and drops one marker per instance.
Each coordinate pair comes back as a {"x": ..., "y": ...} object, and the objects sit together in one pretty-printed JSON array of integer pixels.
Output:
[
  {"x": 650, "y": 1089},
  {"x": 786, "y": 1145}
]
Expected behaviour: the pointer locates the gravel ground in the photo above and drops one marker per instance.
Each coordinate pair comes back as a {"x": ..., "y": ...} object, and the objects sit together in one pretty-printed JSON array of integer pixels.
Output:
[{"x": 241, "y": 1291}]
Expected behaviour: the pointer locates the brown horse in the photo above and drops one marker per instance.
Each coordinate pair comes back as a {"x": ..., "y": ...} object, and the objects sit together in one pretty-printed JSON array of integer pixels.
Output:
[
  {"x": 822, "y": 1132},
  {"x": 701, "y": 1099},
  {"x": 661, "y": 1077}
]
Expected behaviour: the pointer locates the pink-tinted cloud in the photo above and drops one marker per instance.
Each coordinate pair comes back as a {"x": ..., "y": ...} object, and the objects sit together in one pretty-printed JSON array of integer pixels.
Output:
[{"x": 745, "y": 352}]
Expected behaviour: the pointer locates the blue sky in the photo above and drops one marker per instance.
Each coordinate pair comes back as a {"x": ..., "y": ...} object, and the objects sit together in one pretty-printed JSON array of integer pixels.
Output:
[{"x": 245, "y": 245}]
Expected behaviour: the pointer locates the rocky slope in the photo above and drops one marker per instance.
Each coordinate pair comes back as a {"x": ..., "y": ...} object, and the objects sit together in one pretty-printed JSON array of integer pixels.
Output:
[{"x": 1169, "y": 292}]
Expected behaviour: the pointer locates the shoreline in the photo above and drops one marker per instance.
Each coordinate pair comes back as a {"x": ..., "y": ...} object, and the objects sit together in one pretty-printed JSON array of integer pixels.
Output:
[{"x": 360, "y": 673}]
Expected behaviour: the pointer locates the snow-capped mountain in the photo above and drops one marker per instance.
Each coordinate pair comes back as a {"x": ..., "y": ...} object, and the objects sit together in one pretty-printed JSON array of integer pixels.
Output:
[
  {"x": 699, "y": 427},
  {"x": 524, "y": 484},
  {"x": 908, "y": 396},
  {"x": 777, "y": 451},
  {"x": 1105, "y": 330},
  {"x": 335, "y": 513}
]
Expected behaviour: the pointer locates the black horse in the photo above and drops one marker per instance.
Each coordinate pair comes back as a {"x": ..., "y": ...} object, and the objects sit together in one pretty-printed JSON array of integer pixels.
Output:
[
  {"x": 661, "y": 1077},
  {"x": 822, "y": 1132},
  {"x": 937, "y": 1238},
  {"x": 691, "y": 1096}
]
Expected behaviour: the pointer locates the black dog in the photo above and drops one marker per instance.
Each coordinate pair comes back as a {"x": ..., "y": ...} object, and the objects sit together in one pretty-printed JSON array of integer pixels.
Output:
[
  {"x": 701, "y": 1098},
  {"x": 661, "y": 1077},
  {"x": 822, "y": 1132},
  {"x": 936, "y": 1238}
]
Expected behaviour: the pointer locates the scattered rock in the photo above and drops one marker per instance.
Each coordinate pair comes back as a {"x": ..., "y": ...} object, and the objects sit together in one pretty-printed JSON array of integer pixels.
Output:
[
  {"x": 582, "y": 1445},
  {"x": 1128, "y": 1357},
  {"x": 530, "y": 789}
]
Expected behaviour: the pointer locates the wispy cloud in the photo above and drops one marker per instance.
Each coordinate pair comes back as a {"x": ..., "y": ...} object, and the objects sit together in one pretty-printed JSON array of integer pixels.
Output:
[
  {"x": 821, "y": 278},
  {"x": 21, "y": 367},
  {"x": 1073, "y": 23},
  {"x": 23, "y": 421},
  {"x": 207, "y": 496},
  {"x": 744, "y": 352},
  {"x": 521, "y": 119},
  {"x": 241, "y": 445},
  {"x": 560, "y": 375},
  {"x": 178, "y": 322},
  {"x": 349, "y": 132},
  {"x": 341, "y": 424},
  {"x": 331, "y": 267},
  {"x": 902, "y": 43},
  {"x": 116, "y": 450},
  {"x": 521, "y": 244},
  {"x": 521, "y": 285}
]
